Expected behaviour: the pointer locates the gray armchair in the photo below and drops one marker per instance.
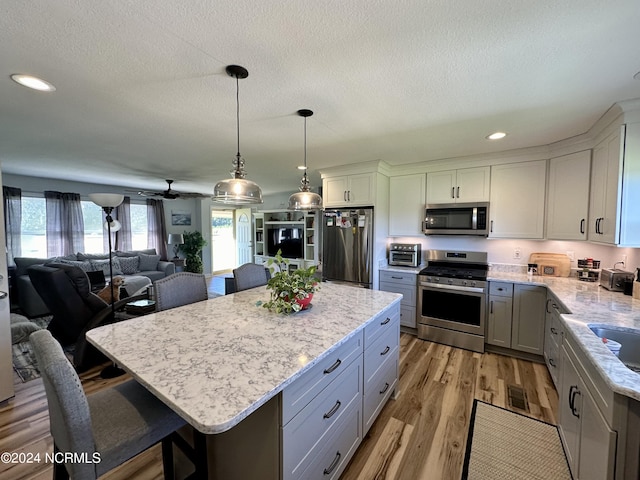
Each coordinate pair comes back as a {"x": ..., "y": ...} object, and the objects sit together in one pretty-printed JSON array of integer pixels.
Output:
[
  {"x": 179, "y": 289},
  {"x": 117, "y": 423}
]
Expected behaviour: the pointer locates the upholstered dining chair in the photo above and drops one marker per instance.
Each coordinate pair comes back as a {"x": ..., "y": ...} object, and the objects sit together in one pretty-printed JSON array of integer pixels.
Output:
[
  {"x": 117, "y": 423},
  {"x": 250, "y": 275},
  {"x": 179, "y": 289}
]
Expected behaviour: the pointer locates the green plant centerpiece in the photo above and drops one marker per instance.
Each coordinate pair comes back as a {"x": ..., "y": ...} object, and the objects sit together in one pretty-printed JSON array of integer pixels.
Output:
[
  {"x": 192, "y": 249},
  {"x": 291, "y": 291}
]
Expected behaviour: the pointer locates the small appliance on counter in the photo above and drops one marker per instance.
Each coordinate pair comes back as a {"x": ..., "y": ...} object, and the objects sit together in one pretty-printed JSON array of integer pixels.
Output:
[
  {"x": 405, "y": 254},
  {"x": 614, "y": 279}
]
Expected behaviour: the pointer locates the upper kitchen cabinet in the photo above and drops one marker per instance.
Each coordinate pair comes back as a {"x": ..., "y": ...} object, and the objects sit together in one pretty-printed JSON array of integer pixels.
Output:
[
  {"x": 349, "y": 190},
  {"x": 406, "y": 205},
  {"x": 614, "y": 217},
  {"x": 458, "y": 186},
  {"x": 568, "y": 196},
  {"x": 516, "y": 207}
]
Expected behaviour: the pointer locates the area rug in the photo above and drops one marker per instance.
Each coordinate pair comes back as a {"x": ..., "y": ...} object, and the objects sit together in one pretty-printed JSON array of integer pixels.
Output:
[{"x": 506, "y": 445}]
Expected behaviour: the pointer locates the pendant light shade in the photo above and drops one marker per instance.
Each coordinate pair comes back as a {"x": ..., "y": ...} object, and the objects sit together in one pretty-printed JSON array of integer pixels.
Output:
[
  {"x": 237, "y": 190},
  {"x": 305, "y": 199}
]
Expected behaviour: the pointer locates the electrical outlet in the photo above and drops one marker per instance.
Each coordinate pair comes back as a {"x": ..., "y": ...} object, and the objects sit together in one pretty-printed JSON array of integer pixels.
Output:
[
  {"x": 571, "y": 255},
  {"x": 517, "y": 253}
]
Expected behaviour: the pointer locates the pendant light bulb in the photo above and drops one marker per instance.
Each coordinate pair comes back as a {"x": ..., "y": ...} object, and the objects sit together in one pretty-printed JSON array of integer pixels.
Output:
[
  {"x": 237, "y": 190},
  {"x": 305, "y": 199}
]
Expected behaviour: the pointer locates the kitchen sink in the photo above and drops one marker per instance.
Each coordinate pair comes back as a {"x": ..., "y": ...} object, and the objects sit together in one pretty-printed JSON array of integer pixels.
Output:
[{"x": 629, "y": 338}]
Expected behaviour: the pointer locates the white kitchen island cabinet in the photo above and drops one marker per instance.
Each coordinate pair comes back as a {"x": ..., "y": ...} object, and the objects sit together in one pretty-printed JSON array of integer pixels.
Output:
[{"x": 277, "y": 397}]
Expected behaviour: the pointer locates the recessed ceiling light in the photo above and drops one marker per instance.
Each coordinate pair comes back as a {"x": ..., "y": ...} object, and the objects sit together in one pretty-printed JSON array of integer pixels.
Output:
[
  {"x": 496, "y": 136},
  {"x": 33, "y": 82},
  {"x": 301, "y": 167}
]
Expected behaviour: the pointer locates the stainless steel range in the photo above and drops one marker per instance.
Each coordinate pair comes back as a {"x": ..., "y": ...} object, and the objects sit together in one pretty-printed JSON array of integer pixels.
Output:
[{"x": 452, "y": 298}]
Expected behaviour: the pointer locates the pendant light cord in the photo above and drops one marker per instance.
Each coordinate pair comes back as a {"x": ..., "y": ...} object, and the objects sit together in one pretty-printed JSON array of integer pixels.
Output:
[
  {"x": 238, "y": 113},
  {"x": 305, "y": 147}
]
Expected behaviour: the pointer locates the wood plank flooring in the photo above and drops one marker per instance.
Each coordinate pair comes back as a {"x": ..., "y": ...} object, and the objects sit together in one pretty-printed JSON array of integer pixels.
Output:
[{"x": 420, "y": 435}]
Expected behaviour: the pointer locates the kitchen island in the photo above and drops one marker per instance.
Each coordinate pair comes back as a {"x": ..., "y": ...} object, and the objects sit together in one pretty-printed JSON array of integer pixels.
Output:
[{"x": 237, "y": 372}]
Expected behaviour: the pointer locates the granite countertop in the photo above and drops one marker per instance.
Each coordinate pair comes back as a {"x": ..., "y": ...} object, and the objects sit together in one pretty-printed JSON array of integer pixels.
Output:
[
  {"x": 215, "y": 362},
  {"x": 392, "y": 268},
  {"x": 590, "y": 304}
]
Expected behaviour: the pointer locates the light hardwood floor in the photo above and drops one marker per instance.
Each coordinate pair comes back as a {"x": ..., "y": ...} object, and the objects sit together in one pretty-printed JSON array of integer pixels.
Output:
[{"x": 420, "y": 435}]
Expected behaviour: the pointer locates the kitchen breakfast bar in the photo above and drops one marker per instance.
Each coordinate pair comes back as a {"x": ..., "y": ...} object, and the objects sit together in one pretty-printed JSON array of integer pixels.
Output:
[{"x": 275, "y": 396}]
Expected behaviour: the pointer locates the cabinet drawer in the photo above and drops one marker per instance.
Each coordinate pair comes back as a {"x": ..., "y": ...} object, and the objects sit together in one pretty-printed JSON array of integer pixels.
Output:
[
  {"x": 297, "y": 395},
  {"x": 328, "y": 461},
  {"x": 501, "y": 289},
  {"x": 383, "y": 321},
  {"x": 397, "y": 277},
  {"x": 385, "y": 346},
  {"x": 408, "y": 292},
  {"x": 408, "y": 316},
  {"x": 378, "y": 391},
  {"x": 308, "y": 430}
]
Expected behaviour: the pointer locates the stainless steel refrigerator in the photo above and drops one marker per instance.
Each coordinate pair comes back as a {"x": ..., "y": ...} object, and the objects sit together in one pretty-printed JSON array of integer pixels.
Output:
[{"x": 347, "y": 246}]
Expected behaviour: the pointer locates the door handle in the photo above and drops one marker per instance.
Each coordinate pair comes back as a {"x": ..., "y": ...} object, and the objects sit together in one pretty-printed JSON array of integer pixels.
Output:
[
  {"x": 491, "y": 229},
  {"x": 582, "y": 225},
  {"x": 344, "y": 195},
  {"x": 458, "y": 193},
  {"x": 491, "y": 307},
  {"x": 3, "y": 295},
  {"x": 453, "y": 189}
]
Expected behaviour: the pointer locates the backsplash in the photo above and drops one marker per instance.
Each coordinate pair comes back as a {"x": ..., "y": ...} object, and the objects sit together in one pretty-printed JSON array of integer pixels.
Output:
[{"x": 507, "y": 268}]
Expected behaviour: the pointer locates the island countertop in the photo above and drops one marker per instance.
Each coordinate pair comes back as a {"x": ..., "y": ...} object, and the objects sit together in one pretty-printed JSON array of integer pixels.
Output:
[
  {"x": 217, "y": 361},
  {"x": 590, "y": 304}
]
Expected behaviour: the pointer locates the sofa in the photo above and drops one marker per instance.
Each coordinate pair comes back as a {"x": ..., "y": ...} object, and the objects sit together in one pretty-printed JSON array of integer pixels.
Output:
[{"x": 131, "y": 263}]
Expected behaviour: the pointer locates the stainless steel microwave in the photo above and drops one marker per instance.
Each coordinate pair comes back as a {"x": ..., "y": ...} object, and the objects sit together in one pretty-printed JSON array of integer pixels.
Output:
[{"x": 457, "y": 219}]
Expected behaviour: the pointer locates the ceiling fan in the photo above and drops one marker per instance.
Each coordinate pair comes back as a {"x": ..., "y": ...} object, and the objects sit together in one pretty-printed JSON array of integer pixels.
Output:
[{"x": 169, "y": 193}]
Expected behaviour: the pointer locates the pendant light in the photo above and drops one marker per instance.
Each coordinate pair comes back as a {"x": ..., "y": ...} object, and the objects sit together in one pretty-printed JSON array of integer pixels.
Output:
[
  {"x": 305, "y": 199},
  {"x": 237, "y": 190}
]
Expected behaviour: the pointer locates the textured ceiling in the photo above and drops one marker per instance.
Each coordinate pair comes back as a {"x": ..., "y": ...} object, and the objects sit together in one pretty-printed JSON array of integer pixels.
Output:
[{"x": 142, "y": 94}]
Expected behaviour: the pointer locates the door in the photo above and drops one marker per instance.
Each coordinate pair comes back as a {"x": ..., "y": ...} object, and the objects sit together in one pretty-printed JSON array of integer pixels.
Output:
[
  {"x": 6, "y": 366},
  {"x": 244, "y": 243}
]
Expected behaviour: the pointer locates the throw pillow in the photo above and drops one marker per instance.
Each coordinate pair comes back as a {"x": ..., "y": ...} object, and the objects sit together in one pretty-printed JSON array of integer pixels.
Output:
[
  {"x": 148, "y": 262},
  {"x": 92, "y": 256},
  {"x": 104, "y": 266},
  {"x": 129, "y": 265},
  {"x": 83, "y": 264}
]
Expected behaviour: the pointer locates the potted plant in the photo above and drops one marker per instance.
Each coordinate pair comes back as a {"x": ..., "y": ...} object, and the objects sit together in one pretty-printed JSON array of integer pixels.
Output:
[
  {"x": 291, "y": 291},
  {"x": 192, "y": 249}
]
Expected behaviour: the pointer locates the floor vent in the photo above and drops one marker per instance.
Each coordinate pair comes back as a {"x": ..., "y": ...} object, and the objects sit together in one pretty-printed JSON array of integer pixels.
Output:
[{"x": 517, "y": 398}]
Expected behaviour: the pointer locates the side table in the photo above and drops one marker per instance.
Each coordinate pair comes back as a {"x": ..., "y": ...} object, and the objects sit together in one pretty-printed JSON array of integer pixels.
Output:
[{"x": 178, "y": 262}]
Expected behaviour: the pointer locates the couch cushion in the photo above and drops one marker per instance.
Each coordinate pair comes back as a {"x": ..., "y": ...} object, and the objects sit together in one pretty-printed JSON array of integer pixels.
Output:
[
  {"x": 133, "y": 253},
  {"x": 85, "y": 265},
  {"x": 148, "y": 262},
  {"x": 22, "y": 263},
  {"x": 129, "y": 265},
  {"x": 104, "y": 266},
  {"x": 152, "y": 274},
  {"x": 92, "y": 256}
]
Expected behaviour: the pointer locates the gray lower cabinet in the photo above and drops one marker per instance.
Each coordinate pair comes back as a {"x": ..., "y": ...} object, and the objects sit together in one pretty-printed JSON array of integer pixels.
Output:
[
  {"x": 589, "y": 441},
  {"x": 553, "y": 334},
  {"x": 500, "y": 315},
  {"x": 527, "y": 329},
  {"x": 407, "y": 285},
  {"x": 516, "y": 316},
  {"x": 326, "y": 412}
]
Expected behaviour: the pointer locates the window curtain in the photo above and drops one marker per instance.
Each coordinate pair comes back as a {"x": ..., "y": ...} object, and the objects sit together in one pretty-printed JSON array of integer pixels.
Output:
[
  {"x": 157, "y": 237},
  {"x": 121, "y": 240},
  {"x": 12, "y": 221},
  {"x": 65, "y": 225}
]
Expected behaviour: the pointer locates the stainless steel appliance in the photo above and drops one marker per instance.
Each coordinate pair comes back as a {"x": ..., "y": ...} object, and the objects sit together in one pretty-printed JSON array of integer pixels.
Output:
[
  {"x": 405, "y": 254},
  {"x": 347, "y": 246},
  {"x": 614, "y": 279},
  {"x": 452, "y": 298},
  {"x": 457, "y": 219}
]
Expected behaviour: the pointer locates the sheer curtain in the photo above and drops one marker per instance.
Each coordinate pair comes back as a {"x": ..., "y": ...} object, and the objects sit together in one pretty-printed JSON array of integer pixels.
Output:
[
  {"x": 65, "y": 225},
  {"x": 12, "y": 221},
  {"x": 157, "y": 229}
]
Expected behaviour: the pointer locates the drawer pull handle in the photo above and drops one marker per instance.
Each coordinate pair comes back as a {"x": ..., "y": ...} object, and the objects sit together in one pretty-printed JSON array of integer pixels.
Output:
[
  {"x": 552, "y": 362},
  {"x": 385, "y": 351},
  {"x": 554, "y": 331},
  {"x": 332, "y": 367},
  {"x": 500, "y": 289},
  {"x": 397, "y": 278},
  {"x": 334, "y": 464},
  {"x": 386, "y": 387},
  {"x": 333, "y": 410},
  {"x": 387, "y": 320}
]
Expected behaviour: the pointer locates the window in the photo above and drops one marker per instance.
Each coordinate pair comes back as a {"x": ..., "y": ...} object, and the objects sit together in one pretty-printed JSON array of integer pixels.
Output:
[
  {"x": 139, "y": 226},
  {"x": 33, "y": 239}
]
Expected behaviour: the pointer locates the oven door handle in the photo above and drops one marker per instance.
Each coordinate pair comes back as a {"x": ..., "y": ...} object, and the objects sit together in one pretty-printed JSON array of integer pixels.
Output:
[{"x": 457, "y": 288}]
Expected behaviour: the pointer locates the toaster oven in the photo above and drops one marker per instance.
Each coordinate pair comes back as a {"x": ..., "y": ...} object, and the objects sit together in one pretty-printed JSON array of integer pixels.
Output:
[{"x": 613, "y": 279}]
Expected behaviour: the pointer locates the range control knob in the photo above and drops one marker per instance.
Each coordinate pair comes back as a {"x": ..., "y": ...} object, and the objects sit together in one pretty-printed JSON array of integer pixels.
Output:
[
  {"x": 464, "y": 282},
  {"x": 450, "y": 281},
  {"x": 473, "y": 283}
]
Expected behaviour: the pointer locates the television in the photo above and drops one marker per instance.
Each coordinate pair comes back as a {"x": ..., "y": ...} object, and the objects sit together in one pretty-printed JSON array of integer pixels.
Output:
[{"x": 287, "y": 239}]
